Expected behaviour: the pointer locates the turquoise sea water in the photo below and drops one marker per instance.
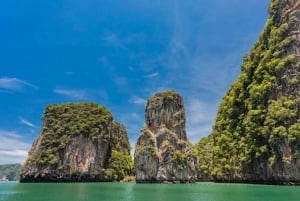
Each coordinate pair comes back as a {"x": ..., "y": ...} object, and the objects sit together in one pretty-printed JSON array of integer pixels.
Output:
[{"x": 145, "y": 192}]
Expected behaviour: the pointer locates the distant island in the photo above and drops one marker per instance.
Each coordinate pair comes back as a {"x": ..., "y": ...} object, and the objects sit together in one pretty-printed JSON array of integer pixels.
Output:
[{"x": 10, "y": 172}]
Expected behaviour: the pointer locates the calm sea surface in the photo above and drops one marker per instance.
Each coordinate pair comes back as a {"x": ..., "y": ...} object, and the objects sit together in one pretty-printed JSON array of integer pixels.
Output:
[{"x": 146, "y": 192}]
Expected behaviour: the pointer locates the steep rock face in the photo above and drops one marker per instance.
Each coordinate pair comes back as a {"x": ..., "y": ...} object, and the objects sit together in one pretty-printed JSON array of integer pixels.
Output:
[
  {"x": 76, "y": 144},
  {"x": 163, "y": 153},
  {"x": 257, "y": 131}
]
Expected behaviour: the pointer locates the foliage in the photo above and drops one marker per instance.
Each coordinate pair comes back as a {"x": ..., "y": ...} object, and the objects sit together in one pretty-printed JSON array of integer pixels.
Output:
[
  {"x": 64, "y": 121},
  {"x": 259, "y": 111},
  {"x": 203, "y": 151},
  {"x": 119, "y": 138},
  {"x": 168, "y": 95},
  {"x": 120, "y": 166},
  {"x": 146, "y": 149},
  {"x": 10, "y": 171},
  {"x": 179, "y": 159},
  {"x": 148, "y": 145}
]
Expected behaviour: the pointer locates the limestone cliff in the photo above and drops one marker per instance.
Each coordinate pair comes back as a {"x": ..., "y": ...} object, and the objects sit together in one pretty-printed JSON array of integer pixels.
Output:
[
  {"x": 256, "y": 135},
  {"x": 163, "y": 153},
  {"x": 76, "y": 143}
]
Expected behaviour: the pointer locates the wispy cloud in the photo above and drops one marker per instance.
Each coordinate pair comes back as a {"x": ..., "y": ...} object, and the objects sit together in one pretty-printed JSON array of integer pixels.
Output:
[
  {"x": 26, "y": 122},
  {"x": 200, "y": 68},
  {"x": 72, "y": 93},
  {"x": 138, "y": 100},
  {"x": 14, "y": 153},
  {"x": 206, "y": 62},
  {"x": 113, "y": 40},
  {"x": 14, "y": 84},
  {"x": 152, "y": 75},
  {"x": 13, "y": 149},
  {"x": 200, "y": 117},
  {"x": 195, "y": 67}
]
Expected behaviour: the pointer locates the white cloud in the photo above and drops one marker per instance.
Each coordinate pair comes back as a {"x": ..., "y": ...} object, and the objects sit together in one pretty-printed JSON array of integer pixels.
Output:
[
  {"x": 13, "y": 149},
  {"x": 72, "y": 93},
  {"x": 26, "y": 122},
  {"x": 152, "y": 75},
  {"x": 14, "y": 84},
  {"x": 14, "y": 153},
  {"x": 138, "y": 100}
]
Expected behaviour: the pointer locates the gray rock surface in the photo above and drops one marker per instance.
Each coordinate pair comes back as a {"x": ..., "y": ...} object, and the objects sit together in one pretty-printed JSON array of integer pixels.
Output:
[{"x": 163, "y": 153}]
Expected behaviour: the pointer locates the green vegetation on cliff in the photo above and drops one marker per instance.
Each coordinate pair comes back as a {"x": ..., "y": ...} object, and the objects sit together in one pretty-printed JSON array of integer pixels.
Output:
[
  {"x": 261, "y": 110},
  {"x": 120, "y": 164},
  {"x": 167, "y": 95},
  {"x": 64, "y": 121},
  {"x": 79, "y": 142},
  {"x": 203, "y": 151}
]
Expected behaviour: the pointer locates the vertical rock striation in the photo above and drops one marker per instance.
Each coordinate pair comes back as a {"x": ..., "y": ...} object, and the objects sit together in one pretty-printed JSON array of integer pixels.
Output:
[
  {"x": 76, "y": 145},
  {"x": 163, "y": 153}
]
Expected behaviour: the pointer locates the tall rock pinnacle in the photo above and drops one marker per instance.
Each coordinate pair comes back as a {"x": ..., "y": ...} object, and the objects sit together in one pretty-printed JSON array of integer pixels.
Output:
[
  {"x": 256, "y": 136},
  {"x": 163, "y": 153}
]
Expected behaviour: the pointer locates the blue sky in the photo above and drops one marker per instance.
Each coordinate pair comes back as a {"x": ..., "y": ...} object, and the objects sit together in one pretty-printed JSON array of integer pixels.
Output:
[{"x": 118, "y": 54}]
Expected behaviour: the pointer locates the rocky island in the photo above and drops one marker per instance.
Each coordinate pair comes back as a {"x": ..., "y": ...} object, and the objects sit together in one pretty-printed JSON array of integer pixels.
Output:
[
  {"x": 163, "y": 153},
  {"x": 256, "y": 136},
  {"x": 79, "y": 142}
]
